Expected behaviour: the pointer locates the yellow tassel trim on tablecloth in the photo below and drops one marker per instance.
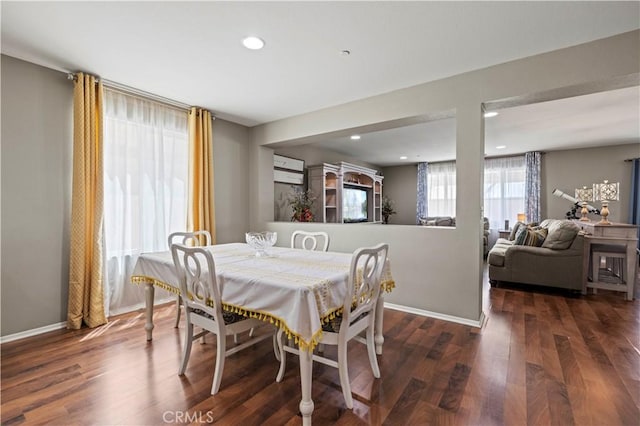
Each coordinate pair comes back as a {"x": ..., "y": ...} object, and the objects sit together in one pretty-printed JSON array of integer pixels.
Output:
[
  {"x": 137, "y": 279},
  {"x": 388, "y": 285},
  {"x": 281, "y": 324}
]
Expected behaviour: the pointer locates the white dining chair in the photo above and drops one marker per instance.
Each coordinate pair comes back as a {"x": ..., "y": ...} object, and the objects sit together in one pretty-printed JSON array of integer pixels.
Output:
[
  {"x": 196, "y": 272},
  {"x": 310, "y": 240},
  {"x": 358, "y": 315},
  {"x": 194, "y": 239}
]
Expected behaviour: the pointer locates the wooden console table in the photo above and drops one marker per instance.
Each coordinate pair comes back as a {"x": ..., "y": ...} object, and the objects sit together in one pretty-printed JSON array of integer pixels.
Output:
[{"x": 618, "y": 234}]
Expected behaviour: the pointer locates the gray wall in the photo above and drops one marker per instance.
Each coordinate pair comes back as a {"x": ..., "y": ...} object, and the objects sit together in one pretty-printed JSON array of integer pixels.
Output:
[
  {"x": 440, "y": 270},
  {"x": 571, "y": 169},
  {"x": 311, "y": 156},
  {"x": 401, "y": 186},
  {"x": 37, "y": 105},
  {"x": 230, "y": 159},
  {"x": 37, "y": 139}
]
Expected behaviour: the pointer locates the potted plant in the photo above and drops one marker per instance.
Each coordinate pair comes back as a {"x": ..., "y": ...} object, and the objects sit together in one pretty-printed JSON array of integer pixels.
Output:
[
  {"x": 301, "y": 202},
  {"x": 387, "y": 209}
]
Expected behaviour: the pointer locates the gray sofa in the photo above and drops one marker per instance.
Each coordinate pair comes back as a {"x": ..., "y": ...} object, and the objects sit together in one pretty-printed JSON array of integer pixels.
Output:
[{"x": 557, "y": 263}]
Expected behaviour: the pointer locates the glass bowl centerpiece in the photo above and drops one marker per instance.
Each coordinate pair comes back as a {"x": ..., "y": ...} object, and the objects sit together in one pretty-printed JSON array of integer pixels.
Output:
[{"x": 261, "y": 241}]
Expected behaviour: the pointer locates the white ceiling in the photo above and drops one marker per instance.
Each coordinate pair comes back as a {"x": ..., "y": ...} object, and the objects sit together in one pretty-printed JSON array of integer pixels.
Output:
[
  {"x": 191, "y": 52},
  {"x": 599, "y": 119}
]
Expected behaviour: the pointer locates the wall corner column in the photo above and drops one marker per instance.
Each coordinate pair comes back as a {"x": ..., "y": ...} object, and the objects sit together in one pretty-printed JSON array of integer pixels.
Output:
[{"x": 469, "y": 196}]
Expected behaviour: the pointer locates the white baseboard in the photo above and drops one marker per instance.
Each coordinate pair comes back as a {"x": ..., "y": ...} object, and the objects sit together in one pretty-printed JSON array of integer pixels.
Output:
[
  {"x": 58, "y": 326},
  {"x": 465, "y": 321},
  {"x": 32, "y": 332},
  {"x": 415, "y": 311}
]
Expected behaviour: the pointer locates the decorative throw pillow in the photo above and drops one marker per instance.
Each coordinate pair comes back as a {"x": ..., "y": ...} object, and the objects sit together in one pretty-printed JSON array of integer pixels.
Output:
[
  {"x": 547, "y": 222},
  {"x": 533, "y": 237},
  {"x": 514, "y": 231},
  {"x": 561, "y": 234}
]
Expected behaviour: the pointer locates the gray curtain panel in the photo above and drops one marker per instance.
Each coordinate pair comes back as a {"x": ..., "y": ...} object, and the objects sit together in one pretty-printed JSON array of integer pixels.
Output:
[{"x": 532, "y": 162}]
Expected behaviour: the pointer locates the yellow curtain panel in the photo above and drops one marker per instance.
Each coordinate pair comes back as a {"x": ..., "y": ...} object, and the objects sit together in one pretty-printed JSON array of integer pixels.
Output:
[
  {"x": 86, "y": 300},
  {"x": 201, "y": 213}
]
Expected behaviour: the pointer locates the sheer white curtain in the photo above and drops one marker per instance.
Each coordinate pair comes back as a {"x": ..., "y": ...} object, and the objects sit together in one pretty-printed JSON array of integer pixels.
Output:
[
  {"x": 504, "y": 183},
  {"x": 145, "y": 188},
  {"x": 441, "y": 189}
]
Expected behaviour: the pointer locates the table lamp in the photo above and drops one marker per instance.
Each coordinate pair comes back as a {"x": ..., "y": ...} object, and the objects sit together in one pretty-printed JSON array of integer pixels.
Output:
[
  {"x": 605, "y": 192},
  {"x": 583, "y": 195},
  {"x": 521, "y": 217}
]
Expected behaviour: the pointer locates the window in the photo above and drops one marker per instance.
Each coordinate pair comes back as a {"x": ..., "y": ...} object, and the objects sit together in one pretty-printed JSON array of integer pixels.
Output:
[
  {"x": 504, "y": 187},
  {"x": 145, "y": 187},
  {"x": 504, "y": 183},
  {"x": 441, "y": 189}
]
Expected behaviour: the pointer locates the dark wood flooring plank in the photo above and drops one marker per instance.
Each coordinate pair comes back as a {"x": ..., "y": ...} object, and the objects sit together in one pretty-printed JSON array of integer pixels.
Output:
[
  {"x": 537, "y": 402},
  {"x": 516, "y": 373},
  {"x": 568, "y": 363},
  {"x": 559, "y": 405},
  {"x": 439, "y": 347},
  {"x": 515, "y": 406},
  {"x": 452, "y": 395},
  {"x": 541, "y": 358},
  {"x": 533, "y": 352},
  {"x": 492, "y": 411},
  {"x": 405, "y": 405}
]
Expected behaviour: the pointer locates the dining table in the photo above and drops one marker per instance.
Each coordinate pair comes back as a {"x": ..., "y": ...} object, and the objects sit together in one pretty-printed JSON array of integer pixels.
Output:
[{"x": 296, "y": 290}]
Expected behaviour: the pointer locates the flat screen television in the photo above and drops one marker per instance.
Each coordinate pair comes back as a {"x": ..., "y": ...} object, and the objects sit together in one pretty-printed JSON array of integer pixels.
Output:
[{"x": 354, "y": 205}]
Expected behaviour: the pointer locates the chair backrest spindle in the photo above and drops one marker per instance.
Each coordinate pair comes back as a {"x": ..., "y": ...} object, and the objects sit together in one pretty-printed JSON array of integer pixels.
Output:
[
  {"x": 190, "y": 239},
  {"x": 196, "y": 272},
  {"x": 310, "y": 240},
  {"x": 365, "y": 275}
]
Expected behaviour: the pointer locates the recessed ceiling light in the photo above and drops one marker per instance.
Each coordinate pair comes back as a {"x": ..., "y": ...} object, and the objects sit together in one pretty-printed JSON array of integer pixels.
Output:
[
  {"x": 404, "y": 157},
  {"x": 501, "y": 147},
  {"x": 253, "y": 43},
  {"x": 355, "y": 137},
  {"x": 490, "y": 114}
]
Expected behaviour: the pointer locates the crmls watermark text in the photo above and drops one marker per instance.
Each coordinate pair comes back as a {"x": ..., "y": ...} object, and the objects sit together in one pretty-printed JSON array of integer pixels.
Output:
[{"x": 187, "y": 417}]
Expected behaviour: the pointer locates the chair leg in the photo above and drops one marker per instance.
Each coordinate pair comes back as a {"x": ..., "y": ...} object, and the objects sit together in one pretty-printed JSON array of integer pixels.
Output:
[
  {"x": 344, "y": 374},
  {"x": 371, "y": 350},
  {"x": 220, "y": 357},
  {"x": 276, "y": 348},
  {"x": 188, "y": 339},
  {"x": 283, "y": 356},
  {"x": 178, "y": 303}
]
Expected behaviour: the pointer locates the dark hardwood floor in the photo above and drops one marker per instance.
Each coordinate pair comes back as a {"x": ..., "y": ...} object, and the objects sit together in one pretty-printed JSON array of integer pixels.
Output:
[{"x": 541, "y": 359}]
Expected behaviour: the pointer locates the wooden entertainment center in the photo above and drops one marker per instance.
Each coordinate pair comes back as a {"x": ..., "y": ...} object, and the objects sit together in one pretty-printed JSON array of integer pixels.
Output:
[{"x": 331, "y": 184}]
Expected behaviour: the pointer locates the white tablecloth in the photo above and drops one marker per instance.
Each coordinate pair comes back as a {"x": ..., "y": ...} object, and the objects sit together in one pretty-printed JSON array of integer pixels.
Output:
[{"x": 297, "y": 290}]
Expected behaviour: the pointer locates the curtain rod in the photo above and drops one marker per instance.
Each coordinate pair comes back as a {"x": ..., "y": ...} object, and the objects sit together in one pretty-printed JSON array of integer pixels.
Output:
[
  {"x": 628, "y": 160},
  {"x": 491, "y": 157},
  {"x": 128, "y": 90},
  {"x": 486, "y": 158}
]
